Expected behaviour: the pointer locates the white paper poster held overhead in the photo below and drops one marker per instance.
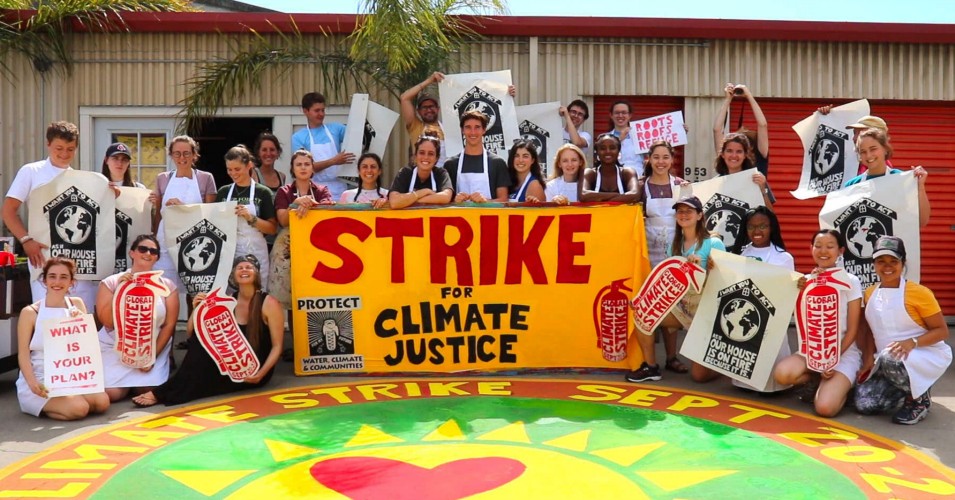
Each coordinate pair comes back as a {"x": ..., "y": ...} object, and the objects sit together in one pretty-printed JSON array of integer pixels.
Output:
[
  {"x": 484, "y": 92},
  {"x": 354, "y": 132},
  {"x": 667, "y": 127},
  {"x": 541, "y": 125},
  {"x": 829, "y": 157},
  {"x": 873, "y": 208},
  {"x": 743, "y": 318}
]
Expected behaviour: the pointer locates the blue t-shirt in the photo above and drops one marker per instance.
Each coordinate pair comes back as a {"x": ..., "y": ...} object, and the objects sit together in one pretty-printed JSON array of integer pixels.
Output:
[
  {"x": 713, "y": 242},
  {"x": 300, "y": 138},
  {"x": 864, "y": 177}
]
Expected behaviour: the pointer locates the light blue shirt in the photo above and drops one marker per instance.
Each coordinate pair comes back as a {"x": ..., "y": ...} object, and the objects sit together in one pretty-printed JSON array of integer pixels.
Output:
[
  {"x": 713, "y": 242},
  {"x": 864, "y": 177},
  {"x": 300, "y": 138}
]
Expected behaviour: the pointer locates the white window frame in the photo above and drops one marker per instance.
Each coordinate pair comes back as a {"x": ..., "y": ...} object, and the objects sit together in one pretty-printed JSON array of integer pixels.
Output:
[{"x": 286, "y": 120}]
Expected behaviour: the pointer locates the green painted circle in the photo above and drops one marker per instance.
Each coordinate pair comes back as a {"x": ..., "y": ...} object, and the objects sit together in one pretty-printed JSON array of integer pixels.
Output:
[{"x": 764, "y": 466}]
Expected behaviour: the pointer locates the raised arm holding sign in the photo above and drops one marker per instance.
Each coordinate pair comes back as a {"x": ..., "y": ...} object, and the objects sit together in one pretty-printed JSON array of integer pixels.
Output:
[{"x": 666, "y": 127}]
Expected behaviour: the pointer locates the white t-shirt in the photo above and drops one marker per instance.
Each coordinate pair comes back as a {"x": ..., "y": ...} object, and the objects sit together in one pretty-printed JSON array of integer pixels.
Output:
[
  {"x": 585, "y": 136},
  {"x": 366, "y": 195},
  {"x": 628, "y": 153},
  {"x": 770, "y": 254},
  {"x": 560, "y": 186},
  {"x": 32, "y": 176}
]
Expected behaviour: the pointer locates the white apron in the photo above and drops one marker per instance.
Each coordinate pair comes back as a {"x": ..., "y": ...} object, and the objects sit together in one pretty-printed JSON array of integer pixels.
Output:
[
  {"x": 474, "y": 182},
  {"x": 559, "y": 186},
  {"x": 321, "y": 152},
  {"x": 187, "y": 190},
  {"x": 660, "y": 223},
  {"x": 890, "y": 322},
  {"x": 597, "y": 184},
  {"x": 629, "y": 156},
  {"x": 31, "y": 403},
  {"x": 250, "y": 240},
  {"x": 414, "y": 177}
]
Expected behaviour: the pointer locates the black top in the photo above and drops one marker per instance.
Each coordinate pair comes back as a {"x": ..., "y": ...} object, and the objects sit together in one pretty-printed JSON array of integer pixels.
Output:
[
  {"x": 442, "y": 181},
  {"x": 264, "y": 198},
  {"x": 199, "y": 377}
]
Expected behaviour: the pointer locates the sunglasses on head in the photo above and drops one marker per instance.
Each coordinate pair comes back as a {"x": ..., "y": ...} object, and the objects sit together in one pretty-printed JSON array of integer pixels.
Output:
[{"x": 145, "y": 249}]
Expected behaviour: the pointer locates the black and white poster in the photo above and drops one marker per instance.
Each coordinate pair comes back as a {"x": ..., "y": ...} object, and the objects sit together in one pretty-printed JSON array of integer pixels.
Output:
[
  {"x": 743, "y": 318},
  {"x": 331, "y": 333},
  {"x": 829, "y": 156},
  {"x": 484, "y": 92},
  {"x": 865, "y": 211},
  {"x": 367, "y": 131},
  {"x": 133, "y": 218},
  {"x": 541, "y": 125},
  {"x": 725, "y": 201},
  {"x": 73, "y": 215},
  {"x": 201, "y": 241}
]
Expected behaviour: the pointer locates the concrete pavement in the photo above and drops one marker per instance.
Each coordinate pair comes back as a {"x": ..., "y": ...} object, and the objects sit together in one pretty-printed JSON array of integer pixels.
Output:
[{"x": 22, "y": 435}]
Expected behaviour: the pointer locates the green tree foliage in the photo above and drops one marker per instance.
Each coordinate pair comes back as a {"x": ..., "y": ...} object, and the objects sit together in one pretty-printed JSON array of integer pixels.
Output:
[
  {"x": 39, "y": 30},
  {"x": 396, "y": 44}
]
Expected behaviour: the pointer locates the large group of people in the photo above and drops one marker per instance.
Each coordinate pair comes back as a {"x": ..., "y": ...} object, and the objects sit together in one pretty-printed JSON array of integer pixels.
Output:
[{"x": 898, "y": 340}]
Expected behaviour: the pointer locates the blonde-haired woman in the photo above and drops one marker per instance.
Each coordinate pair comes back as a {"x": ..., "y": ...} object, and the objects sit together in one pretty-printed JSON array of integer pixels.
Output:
[{"x": 563, "y": 188}]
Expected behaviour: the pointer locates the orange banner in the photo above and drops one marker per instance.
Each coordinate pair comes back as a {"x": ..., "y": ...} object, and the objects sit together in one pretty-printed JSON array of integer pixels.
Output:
[{"x": 465, "y": 289}]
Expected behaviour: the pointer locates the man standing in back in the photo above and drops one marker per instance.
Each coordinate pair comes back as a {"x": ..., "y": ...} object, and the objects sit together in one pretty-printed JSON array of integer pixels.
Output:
[
  {"x": 324, "y": 141},
  {"x": 574, "y": 115}
]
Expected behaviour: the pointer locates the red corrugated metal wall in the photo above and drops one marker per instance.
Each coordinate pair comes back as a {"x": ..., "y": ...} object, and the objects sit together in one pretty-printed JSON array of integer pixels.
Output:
[
  {"x": 921, "y": 134},
  {"x": 642, "y": 107}
]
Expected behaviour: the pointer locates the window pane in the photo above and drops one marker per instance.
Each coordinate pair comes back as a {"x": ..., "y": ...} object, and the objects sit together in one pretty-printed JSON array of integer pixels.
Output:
[
  {"x": 148, "y": 155},
  {"x": 154, "y": 150},
  {"x": 147, "y": 175}
]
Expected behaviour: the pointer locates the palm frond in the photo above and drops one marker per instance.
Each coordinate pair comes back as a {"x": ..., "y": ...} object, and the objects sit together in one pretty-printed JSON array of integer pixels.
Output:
[
  {"x": 228, "y": 80},
  {"x": 398, "y": 45},
  {"x": 42, "y": 36},
  {"x": 401, "y": 31}
]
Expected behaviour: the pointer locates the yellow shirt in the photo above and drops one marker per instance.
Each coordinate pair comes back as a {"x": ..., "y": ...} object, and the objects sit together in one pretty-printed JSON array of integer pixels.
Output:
[
  {"x": 920, "y": 302},
  {"x": 417, "y": 128}
]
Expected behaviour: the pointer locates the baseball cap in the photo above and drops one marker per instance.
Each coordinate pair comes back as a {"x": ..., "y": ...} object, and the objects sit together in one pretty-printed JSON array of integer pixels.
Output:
[
  {"x": 690, "y": 201},
  {"x": 118, "y": 148},
  {"x": 889, "y": 245},
  {"x": 422, "y": 97},
  {"x": 870, "y": 121}
]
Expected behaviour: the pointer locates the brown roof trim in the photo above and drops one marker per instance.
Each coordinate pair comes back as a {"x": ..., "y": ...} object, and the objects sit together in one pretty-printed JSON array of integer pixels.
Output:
[{"x": 584, "y": 27}]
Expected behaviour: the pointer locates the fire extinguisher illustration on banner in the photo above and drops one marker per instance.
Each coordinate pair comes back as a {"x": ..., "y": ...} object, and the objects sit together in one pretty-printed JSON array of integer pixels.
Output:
[{"x": 611, "y": 307}]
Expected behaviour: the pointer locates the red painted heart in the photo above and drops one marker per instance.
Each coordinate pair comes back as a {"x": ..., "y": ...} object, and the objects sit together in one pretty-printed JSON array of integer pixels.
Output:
[{"x": 371, "y": 478}]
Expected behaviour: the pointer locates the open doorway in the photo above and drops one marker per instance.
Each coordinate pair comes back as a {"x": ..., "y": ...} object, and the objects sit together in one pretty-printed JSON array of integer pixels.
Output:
[{"x": 220, "y": 134}]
